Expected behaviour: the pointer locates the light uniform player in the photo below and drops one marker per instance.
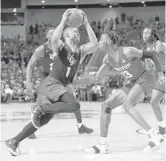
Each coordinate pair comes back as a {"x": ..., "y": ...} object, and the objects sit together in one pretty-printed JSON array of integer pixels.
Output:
[
  {"x": 125, "y": 60},
  {"x": 41, "y": 58},
  {"x": 54, "y": 94},
  {"x": 153, "y": 43}
]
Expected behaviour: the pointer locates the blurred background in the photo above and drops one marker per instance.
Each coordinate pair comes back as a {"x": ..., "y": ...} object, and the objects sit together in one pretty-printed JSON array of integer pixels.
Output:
[{"x": 23, "y": 26}]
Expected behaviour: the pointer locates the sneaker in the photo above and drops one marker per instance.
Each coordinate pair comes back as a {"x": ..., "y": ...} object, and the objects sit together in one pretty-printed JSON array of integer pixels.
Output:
[
  {"x": 36, "y": 115},
  {"x": 85, "y": 130},
  {"x": 161, "y": 130},
  {"x": 98, "y": 149},
  {"x": 32, "y": 136},
  {"x": 13, "y": 147},
  {"x": 155, "y": 139}
]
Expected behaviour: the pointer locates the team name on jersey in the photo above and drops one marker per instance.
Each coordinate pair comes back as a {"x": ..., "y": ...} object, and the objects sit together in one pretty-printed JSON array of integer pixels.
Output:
[
  {"x": 71, "y": 59},
  {"x": 120, "y": 69}
]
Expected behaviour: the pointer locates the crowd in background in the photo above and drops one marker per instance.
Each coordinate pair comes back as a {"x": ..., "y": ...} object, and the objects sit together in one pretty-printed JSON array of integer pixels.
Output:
[{"x": 15, "y": 54}]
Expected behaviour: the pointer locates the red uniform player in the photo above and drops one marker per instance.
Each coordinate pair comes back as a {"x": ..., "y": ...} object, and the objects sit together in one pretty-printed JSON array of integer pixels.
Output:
[
  {"x": 153, "y": 43},
  {"x": 127, "y": 61}
]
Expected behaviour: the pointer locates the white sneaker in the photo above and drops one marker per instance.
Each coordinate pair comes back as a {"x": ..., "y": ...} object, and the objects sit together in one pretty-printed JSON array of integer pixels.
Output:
[
  {"x": 98, "y": 148},
  {"x": 155, "y": 139}
]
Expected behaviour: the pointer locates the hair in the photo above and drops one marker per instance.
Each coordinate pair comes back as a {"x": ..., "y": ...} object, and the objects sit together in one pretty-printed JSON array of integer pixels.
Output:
[
  {"x": 154, "y": 33},
  {"x": 114, "y": 36}
]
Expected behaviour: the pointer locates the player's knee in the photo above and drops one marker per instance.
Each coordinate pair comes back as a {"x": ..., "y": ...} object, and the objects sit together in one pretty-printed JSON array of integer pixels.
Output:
[
  {"x": 105, "y": 108},
  {"x": 154, "y": 103},
  {"x": 76, "y": 106}
]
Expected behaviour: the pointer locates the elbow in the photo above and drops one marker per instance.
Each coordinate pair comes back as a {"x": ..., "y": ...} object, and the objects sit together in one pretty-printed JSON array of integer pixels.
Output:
[{"x": 95, "y": 45}]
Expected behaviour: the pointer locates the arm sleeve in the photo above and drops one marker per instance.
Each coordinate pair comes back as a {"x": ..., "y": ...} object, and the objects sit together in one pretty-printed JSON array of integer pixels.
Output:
[{"x": 154, "y": 57}]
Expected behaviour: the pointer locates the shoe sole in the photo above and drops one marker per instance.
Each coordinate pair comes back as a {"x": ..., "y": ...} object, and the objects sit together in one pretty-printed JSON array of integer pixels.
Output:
[
  {"x": 11, "y": 152},
  {"x": 156, "y": 145}
]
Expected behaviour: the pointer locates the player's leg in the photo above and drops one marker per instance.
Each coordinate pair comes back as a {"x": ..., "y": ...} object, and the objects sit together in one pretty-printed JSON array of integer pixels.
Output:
[
  {"x": 67, "y": 103},
  {"x": 135, "y": 95},
  {"x": 157, "y": 95},
  {"x": 29, "y": 129},
  {"x": 113, "y": 101}
]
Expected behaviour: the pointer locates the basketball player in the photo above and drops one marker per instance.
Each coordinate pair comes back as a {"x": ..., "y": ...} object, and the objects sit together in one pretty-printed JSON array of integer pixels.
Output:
[
  {"x": 55, "y": 94},
  {"x": 153, "y": 43},
  {"x": 41, "y": 57},
  {"x": 125, "y": 60}
]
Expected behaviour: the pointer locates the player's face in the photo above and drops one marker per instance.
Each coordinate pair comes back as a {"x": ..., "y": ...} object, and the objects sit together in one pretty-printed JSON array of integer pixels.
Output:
[
  {"x": 49, "y": 34},
  {"x": 146, "y": 34},
  {"x": 74, "y": 35}
]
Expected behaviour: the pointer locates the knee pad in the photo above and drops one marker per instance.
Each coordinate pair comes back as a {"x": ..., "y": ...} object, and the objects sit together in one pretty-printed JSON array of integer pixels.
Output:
[
  {"x": 108, "y": 110},
  {"x": 46, "y": 118}
]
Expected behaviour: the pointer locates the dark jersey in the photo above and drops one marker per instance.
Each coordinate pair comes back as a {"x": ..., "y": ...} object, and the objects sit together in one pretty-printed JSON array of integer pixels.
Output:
[
  {"x": 45, "y": 62},
  {"x": 132, "y": 69},
  {"x": 65, "y": 65}
]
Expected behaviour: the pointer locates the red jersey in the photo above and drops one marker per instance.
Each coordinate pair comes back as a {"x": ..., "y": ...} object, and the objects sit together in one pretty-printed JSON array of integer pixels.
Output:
[
  {"x": 65, "y": 65},
  {"x": 130, "y": 68}
]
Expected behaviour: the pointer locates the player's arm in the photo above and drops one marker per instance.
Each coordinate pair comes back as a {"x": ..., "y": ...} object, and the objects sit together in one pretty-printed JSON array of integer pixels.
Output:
[
  {"x": 160, "y": 47},
  {"x": 97, "y": 78},
  {"x": 38, "y": 53},
  {"x": 91, "y": 46},
  {"x": 56, "y": 41},
  {"x": 132, "y": 52}
]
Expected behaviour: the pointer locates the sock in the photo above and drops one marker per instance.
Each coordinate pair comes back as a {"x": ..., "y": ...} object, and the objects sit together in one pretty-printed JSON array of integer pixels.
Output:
[
  {"x": 103, "y": 140},
  {"x": 162, "y": 124},
  {"x": 27, "y": 130},
  {"x": 79, "y": 124}
]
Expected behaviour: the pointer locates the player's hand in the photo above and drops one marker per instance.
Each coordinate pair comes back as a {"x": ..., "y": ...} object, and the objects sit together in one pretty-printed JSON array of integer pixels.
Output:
[
  {"x": 29, "y": 91},
  {"x": 161, "y": 78},
  {"x": 85, "y": 20},
  {"x": 66, "y": 15}
]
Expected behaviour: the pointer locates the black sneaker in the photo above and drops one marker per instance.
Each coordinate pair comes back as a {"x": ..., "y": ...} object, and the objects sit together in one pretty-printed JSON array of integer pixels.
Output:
[
  {"x": 161, "y": 130},
  {"x": 37, "y": 113},
  {"x": 85, "y": 130},
  {"x": 32, "y": 136},
  {"x": 13, "y": 147}
]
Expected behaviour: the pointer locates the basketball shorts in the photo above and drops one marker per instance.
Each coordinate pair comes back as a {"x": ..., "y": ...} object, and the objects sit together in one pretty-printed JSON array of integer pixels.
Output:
[
  {"x": 147, "y": 81},
  {"x": 52, "y": 89}
]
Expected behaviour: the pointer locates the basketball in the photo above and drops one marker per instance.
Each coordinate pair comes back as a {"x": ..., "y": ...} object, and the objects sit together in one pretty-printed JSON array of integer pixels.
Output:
[{"x": 76, "y": 18}]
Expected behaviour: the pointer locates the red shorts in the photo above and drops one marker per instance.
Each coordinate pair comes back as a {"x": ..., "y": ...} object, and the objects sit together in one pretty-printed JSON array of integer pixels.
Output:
[{"x": 147, "y": 81}]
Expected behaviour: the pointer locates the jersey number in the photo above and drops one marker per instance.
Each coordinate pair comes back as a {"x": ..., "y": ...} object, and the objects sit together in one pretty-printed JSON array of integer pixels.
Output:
[
  {"x": 68, "y": 71},
  {"x": 51, "y": 65},
  {"x": 126, "y": 74}
]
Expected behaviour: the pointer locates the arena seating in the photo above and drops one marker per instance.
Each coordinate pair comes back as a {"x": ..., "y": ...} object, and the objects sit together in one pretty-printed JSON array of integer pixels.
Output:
[{"x": 16, "y": 54}]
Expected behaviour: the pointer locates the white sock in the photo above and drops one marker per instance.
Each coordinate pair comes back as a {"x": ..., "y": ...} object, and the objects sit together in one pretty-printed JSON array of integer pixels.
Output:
[
  {"x": 103, "y": 140},
  {"x": 79, "y": 124},
  {"x": 161, "y": 123},
  {"x": 152, "y": 132}
]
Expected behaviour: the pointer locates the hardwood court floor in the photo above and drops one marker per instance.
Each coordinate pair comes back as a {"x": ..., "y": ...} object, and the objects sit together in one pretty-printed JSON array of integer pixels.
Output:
[{"x": 59, "y": 140}]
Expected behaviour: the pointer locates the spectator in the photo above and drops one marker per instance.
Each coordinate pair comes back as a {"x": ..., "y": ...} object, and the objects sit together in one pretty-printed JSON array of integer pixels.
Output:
[{"x": 8, "y": 94}]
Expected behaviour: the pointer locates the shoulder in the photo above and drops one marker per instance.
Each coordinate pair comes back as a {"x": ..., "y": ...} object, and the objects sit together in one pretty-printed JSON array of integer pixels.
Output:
[
  {"x": 132, "y": 52},
  {"x": 106, "y": 59},
  {"x": 39, "y": 48},
  {"x": 160, "y": 46}
]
